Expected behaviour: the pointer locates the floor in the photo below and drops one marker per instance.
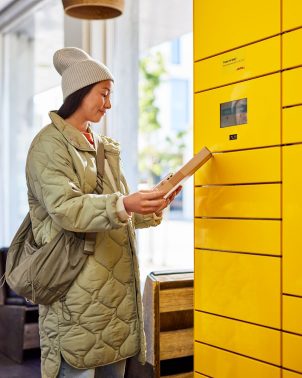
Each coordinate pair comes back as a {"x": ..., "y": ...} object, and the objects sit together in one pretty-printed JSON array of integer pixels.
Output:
[{"x": 30, "y": 368}]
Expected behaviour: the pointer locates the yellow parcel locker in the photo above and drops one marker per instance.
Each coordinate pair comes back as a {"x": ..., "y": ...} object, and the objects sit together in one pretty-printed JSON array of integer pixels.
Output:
[
  {"x": 236, "y": 336},
  {"x": 239, "y": 64},
  {"x": 224, "y": 25},
  {"x": 291, "y": 125},
  {"x": 238, "y": 201},
  {"x": 292, "y": 205},
  {"x": 292, "y": 310},
  {"x": 242, "y": 167},
  {"x": 239, "y": 235},
  {"x": 239, "y": 286},
  {"x": 290, "y": 374},
  {"x": 292, "y": 10},
  {"x": 291, "y": 348},
  {"x": 217, "y": 363},
  {"x": 291, "y": 54},
  {"x": 292, "y": 84},
  {"x": 239, "y": 116}
]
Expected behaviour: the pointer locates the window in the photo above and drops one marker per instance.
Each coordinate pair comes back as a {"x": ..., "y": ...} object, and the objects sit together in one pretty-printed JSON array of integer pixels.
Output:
[
  {"x": 179, "y": 104},
  {"x": 165, "y": 127},
  {"x": 175, "y": 51},
  {"x": 31, "y": 89}
]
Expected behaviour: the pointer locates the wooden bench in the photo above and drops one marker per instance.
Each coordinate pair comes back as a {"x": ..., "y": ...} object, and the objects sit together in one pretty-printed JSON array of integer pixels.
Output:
[{"x": 168, "y": 316}]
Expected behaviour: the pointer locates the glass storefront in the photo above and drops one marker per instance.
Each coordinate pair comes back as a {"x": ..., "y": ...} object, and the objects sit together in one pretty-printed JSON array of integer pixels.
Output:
[
  {"x": 165, "y": 126},
  {"x": 30, "y": 88}
]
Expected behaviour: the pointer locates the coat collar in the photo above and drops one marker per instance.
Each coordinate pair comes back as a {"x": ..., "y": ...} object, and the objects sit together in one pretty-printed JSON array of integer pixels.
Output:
[
  {"x": 71, "y": 134},
  {"x": 110, "y": 145},
  {"x": 78, "y": 140}
]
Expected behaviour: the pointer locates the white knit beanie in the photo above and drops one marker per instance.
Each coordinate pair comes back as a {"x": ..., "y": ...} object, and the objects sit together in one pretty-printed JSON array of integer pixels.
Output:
[{"x": 78, "y": 69}]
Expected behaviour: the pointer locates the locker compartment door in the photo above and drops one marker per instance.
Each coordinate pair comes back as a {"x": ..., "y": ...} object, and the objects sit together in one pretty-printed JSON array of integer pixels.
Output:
[
  {"x": 243, "y": 235},
  {"x": 217, "y": 363},
  {"x": 242, "y": 167},
  {"x": 238, "y": 201},
  {"x": 239, "y": 286},
  {"x": 239, "y": 64},
  {"x": 291, "y": 351},
  {"x": 292, "y": 84},
  {"x": 292, "y": 125},
  {"x": 224, "y": 25},
  {"x": 292, "y": 205},
  {"x": 251, "y": 109},
  {"x": 292, "y": 10},
  {"x": 247, "y": 339},
  {"x": 291, "y": 56},
  {"x": 292, "y": 310},
  {"x": 290, "y": 374}
]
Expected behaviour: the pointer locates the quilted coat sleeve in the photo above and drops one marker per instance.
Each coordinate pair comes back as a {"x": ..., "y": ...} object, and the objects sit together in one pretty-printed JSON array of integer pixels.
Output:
[
  {"x": 54, "y": 183},
  {"x": 149, "y": 220}
]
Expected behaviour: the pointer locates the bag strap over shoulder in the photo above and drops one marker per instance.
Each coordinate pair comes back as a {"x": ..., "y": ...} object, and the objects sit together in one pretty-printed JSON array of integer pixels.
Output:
[
  {"x": 100, "y": 158},
  {"x": 90, "y": 237}
]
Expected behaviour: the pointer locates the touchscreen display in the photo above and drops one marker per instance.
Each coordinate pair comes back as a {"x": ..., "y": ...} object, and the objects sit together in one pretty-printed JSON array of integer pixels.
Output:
[{"x": 233, "y": 113}]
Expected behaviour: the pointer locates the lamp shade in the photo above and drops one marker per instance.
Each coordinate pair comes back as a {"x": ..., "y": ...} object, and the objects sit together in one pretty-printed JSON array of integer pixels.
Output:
[{"x": 93, "y": 9}]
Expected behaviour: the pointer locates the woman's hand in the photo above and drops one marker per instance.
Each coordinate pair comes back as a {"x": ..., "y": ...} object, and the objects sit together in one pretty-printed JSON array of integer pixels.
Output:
[
  {"x": 145, "y": 202},
  {"x": 174, "y": 194},
  {"x": 169, "y": 200}
]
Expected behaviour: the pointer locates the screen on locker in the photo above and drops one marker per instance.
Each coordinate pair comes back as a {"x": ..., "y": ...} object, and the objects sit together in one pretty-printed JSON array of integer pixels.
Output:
[
  {"x": 233, "y": 113},
  {"x": 239, "y": 116}
]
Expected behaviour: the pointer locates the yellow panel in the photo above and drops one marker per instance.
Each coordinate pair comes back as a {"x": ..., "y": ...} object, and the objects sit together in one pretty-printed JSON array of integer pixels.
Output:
[
  {"x": 240, "y": 286},
  {"x": 243, "y": 201},
  {"x": 223, "y": 25},
  {"x": 292, "y": 83},
  {"x": 243, "y": 235},
  {"x": 292, "y": 10},
  {"x": 290, "y": 374},
  {"x": 292, "y": 310},
  {"x": 218, "y": 363},
  {"x": 292, "y": 205},
  {"x": 255, "y": 341},
  {"x": 290, "y": 54},
  {"x": 251, "y": 166},
  {"x": 292, "y": 128},
  {"x": 240, "y": 64},
  {"x": 291, "y": 351},
  {"x": 263, "y": 115}
]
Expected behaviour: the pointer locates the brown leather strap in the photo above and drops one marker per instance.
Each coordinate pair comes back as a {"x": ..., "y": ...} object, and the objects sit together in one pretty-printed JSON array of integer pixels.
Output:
[{"x": 89, "y": 244}]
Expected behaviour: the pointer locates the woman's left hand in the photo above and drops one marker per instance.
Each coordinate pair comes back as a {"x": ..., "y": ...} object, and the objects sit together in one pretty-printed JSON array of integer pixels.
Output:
[{"x": 169, "y": 200}]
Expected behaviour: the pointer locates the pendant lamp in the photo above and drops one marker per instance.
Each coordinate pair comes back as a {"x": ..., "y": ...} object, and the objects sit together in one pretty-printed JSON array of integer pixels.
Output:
[{"x": 94, "y": 9}]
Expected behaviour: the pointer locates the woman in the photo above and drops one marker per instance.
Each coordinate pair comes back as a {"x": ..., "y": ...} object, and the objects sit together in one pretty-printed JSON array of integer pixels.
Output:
[{"x": 100, "y": 323}]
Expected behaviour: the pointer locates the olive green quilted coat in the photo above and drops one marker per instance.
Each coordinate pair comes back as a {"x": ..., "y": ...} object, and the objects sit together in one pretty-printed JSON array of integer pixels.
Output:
[{"x": 100, "y": 321}]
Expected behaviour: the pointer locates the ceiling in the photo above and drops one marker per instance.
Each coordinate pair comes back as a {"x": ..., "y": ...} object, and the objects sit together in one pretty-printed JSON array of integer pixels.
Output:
[{"x": 154, "y": 24}]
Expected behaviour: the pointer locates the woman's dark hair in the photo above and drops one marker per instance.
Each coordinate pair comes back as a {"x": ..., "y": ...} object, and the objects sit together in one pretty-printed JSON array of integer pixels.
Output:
[{"x": 73, "y": 101}]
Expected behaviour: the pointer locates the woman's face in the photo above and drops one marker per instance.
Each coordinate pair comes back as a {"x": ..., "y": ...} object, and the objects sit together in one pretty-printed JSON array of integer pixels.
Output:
[{"x": 96, "y": 103}]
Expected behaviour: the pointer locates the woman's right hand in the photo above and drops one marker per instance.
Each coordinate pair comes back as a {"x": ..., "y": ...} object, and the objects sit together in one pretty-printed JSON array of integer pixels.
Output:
[{"x": 144, "y": 202}]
